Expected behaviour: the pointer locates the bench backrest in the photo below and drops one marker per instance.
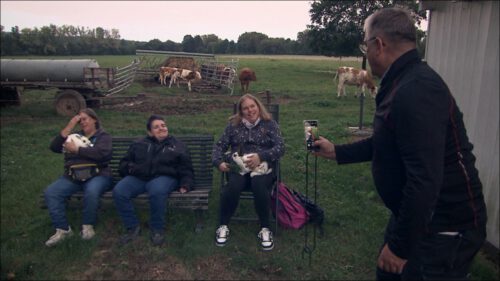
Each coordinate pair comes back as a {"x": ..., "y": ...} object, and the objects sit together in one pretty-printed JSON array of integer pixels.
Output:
[{"x": 200, "y": 148}]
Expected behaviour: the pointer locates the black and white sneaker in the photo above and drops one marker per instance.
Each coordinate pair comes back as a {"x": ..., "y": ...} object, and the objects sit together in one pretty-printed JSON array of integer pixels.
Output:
[
  {"x": 266, "y": 239},
  {"x": 221, "y": 235}
]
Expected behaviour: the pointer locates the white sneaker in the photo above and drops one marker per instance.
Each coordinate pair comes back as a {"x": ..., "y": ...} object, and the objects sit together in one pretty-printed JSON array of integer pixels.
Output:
[
  {"x": 60, "y": 235},
  {"x": 87, "y": 232},
  {"x": 266, "y": 239},
  {"x": 222, "y": 235}
]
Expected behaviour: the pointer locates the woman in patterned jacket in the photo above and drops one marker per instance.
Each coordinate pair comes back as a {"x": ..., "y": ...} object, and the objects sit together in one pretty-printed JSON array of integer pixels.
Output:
[{"x": 253, "y": 133}]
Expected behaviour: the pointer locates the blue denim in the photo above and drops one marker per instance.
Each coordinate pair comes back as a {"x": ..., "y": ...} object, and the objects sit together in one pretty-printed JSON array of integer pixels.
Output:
[
  {"x": 57, "y": 193},
  {"x": 158, "y": 190}
]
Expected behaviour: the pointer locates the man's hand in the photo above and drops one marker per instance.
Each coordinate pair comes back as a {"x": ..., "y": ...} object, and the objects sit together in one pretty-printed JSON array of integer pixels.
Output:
[
  {"x": 183, "y": 189},
  {"x": 325, "y": 148},
  {"x": 389, "y": 262}
]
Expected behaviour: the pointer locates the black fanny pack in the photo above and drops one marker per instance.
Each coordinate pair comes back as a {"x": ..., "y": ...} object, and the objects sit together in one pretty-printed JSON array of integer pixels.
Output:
[{"x": 83, "y": 172}]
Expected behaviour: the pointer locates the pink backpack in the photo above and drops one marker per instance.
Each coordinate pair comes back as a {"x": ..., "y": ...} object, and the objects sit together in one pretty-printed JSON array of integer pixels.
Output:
[{"x": 290, "y": 212}]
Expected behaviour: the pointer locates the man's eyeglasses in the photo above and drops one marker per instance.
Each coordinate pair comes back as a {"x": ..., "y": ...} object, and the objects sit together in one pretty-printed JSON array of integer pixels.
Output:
[{"x": 364, "y": 46}]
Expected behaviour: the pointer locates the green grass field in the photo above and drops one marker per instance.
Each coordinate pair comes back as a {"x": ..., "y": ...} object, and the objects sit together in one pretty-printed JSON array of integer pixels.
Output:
[{"x": 354, "y": 215}]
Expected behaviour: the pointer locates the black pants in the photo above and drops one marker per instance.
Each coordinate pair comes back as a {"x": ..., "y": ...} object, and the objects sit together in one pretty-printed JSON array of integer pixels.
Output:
[
  {"x": 259, "y": 185},
  {"x": 439, "y": 256}
]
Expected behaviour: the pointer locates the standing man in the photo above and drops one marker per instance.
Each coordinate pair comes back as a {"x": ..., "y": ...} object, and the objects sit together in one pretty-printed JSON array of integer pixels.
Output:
[{"x": 422, "y": 161}]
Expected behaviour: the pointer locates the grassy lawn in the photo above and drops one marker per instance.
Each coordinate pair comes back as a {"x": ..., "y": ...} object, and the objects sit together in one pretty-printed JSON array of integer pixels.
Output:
[{"x": 354, "y": 215}]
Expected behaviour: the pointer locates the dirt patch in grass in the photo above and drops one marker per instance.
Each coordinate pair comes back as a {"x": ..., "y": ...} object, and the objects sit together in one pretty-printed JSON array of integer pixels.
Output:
[
  {"x": 139, "y": 260},
  {"x": 190, "y": 103},
  {"x": 171, "y": 105}
]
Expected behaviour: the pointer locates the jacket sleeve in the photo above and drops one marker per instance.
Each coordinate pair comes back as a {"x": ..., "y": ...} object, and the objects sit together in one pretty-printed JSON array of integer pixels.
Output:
[
  {"x": 185, "y": 170},
  {"x": 101, "y": 151},
  {"x": 221, "y": 146},
  {"x": 56, "y": 145},
  {"x": 360, "y": 151},
  {"x": 420, "y": 113},
  {"x": 277, "y": 149}
]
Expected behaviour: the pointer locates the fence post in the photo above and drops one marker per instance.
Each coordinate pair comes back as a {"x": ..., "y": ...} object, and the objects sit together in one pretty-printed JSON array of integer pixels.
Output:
[{"x": 362, "y": 98}]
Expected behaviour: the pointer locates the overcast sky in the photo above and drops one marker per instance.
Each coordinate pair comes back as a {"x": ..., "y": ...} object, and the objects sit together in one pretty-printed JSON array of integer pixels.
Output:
[{"x": 164, "y": 20}]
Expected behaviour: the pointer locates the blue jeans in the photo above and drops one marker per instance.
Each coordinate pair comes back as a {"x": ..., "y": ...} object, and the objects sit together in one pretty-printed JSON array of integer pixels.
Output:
[
  {"x": 158, "y": 190},
  {"x": 57, "y": 193}
]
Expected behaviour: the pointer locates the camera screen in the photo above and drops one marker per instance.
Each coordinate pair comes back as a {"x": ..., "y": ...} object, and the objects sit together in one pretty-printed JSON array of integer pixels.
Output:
[{"x": 311, "y": 133}]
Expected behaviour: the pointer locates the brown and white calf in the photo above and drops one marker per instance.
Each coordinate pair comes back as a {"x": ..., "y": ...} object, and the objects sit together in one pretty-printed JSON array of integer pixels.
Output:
[
  {"x": 186, "y": 75},
  {"x": 356, "y": 77},
  {"x": 166, "y": 72}
]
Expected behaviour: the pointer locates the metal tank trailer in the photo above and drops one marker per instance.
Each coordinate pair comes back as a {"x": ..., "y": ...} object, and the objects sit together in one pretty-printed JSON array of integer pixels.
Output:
[{"x": 80, "y": 82}]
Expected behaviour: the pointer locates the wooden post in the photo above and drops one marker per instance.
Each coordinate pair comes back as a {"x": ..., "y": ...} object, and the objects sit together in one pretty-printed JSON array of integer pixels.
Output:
[{"x": 362, "y": 98}]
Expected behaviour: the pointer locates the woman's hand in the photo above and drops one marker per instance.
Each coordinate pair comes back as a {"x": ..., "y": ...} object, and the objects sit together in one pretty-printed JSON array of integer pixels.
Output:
[
  {"x": 252, "y": 161},
  {"x": 183, "y": 189},
  {"x": 224, "y": 167},
  {"x": 70, "y": 146},
  {"x": 71, "y": 124}
]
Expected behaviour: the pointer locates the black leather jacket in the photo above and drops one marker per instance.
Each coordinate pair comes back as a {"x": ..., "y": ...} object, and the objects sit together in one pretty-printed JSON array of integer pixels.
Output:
[
  {"x": 147, "y": 158},
  {"x": 422, "y": 161}
]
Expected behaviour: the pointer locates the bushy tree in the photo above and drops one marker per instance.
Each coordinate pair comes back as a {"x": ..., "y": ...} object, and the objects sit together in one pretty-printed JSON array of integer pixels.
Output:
[
  {"x": 337, "y": 26},
  {"x": 248, "y": 42}
]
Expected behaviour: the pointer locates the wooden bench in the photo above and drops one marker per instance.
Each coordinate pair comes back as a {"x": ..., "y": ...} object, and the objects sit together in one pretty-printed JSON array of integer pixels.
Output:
[{"x": 200, "y": 148}]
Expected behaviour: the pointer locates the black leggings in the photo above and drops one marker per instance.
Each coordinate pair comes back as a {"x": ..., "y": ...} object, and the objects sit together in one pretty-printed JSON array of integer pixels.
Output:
[{"x": 260, "y": 186}]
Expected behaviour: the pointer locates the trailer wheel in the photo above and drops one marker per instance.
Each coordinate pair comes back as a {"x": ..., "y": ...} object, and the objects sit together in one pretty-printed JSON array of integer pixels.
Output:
[{"x": 69, "y": 102}]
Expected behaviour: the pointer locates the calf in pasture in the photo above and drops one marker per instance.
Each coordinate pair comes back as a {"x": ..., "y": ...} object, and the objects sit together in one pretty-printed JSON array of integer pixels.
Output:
[
  {"x": 186, "y": 75},
  {"x": 166, "y": 72},
  {"x": 246, "y": 75},
  {"x": 356, "y": 77}
]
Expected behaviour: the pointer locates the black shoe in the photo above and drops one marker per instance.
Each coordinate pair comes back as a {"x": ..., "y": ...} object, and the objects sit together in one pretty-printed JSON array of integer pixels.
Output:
[
  {"x": 131, "y": 235},
  {"x": 157, "y": 237}
]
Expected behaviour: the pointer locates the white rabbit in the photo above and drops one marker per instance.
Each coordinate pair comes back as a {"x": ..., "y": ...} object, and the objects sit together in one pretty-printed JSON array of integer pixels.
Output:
[{"x": 262, "y": 169}]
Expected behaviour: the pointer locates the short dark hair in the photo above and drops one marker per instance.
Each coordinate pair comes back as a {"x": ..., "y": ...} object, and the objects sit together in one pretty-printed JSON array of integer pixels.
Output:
[
  {"x": 153, "y": 118},
  {"x": 394, "y": 23}
]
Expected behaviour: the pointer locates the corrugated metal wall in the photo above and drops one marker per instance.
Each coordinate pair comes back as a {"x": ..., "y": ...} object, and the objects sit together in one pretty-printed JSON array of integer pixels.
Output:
[{"x": 463, "y": 46}]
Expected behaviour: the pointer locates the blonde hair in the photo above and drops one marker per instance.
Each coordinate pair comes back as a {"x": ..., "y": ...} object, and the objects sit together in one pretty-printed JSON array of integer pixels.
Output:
[{"x": 264, "y": 114}]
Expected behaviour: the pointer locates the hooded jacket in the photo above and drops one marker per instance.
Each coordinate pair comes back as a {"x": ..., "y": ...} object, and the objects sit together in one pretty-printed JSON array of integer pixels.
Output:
[{"x": 147, "y": 158}]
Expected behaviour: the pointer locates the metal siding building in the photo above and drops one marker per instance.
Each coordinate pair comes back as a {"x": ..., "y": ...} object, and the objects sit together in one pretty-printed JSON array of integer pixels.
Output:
[{"x": 463, "y": 47}]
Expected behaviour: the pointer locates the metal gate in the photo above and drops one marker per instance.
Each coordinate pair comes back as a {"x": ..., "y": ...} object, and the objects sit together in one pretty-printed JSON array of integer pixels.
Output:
[{"x": 214, "y": 73}]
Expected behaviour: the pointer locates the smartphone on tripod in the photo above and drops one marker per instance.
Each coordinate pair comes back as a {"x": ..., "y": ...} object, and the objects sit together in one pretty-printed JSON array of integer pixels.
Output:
[{"x": 310, "y": 133}]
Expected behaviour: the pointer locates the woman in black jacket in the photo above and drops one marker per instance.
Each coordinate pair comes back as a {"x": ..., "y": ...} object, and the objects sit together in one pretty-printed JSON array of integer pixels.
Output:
[
  {"x": 156, "y": 164},
  {"x": 92, "y": 161}
]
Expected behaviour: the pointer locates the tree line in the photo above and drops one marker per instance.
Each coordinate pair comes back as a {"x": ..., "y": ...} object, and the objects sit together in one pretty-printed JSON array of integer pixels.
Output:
[
  {"x": 336, "y": 29},
  {"x": 74, "y": 40}
]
